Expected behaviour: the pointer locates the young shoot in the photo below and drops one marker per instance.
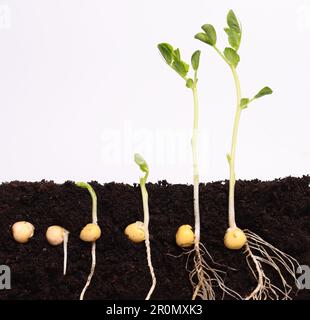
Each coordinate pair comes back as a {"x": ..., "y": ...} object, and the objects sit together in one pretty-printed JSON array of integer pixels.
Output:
[
  {"x": 56, "y": 235},
  {"x": 258, "y": 251},
  {"x": 203, "y": 277},
  {"x": 145, "y": 169},
  {"x": 90, "y": 233}
]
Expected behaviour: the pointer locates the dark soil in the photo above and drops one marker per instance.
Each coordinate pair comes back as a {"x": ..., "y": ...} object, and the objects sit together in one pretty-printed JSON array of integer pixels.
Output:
[{"x": 278, "y": 211}]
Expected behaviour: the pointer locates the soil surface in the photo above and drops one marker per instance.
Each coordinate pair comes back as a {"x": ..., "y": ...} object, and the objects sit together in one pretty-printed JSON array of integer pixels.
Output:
[{"x": 278, "y": 211}]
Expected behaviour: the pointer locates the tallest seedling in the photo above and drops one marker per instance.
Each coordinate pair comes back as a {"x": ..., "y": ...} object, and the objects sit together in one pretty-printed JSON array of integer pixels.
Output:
[
  {"x": 203, "y": 277},
  {"x": 258, "y": 251}
]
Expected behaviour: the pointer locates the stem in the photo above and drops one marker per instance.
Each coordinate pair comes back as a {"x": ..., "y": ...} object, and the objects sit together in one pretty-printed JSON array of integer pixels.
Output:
[
  {"x": 232, "y": 180},
  {"x": 195, "y": 162},
  {"x": 232, "y": 155},
  {"x": 93, "y": 197},
  {"x": 146, "y": 233},
  {"x": 94, "y": 220}
]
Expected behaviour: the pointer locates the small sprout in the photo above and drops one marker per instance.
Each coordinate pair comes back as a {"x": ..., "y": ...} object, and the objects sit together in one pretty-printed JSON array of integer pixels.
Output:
[
  {"x": 22, "y": 231},
  {"x": 185, "y": 236},
  {"x": 139, "y": 160},
  {"x": 234, "y": 238},
  {"x": 57, "y": 235},
  {"x": 135, "y": 232},
  {"x": 91, "y": 232}
]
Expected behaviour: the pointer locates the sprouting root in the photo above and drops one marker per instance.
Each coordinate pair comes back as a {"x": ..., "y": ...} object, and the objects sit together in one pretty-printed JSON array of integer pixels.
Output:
[
  {"x": 204, "y": 278},
  {"x": 259, "y": 252}
]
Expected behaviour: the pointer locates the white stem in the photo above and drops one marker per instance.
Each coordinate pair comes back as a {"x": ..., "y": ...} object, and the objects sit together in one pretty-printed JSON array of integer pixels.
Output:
[
  {"x": 65, "y": 244},
  {"x": 92, "y": 270}
]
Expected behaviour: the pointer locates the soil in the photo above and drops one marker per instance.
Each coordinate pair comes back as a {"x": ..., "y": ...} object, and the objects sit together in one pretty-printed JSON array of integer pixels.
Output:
[{"x": 278, "y": 211}]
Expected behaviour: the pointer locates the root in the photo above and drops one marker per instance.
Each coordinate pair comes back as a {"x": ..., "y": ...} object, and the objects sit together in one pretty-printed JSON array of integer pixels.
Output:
[
  {"x": 259, "y": 252},
  {"x": 149, "y": 262},
  {"x": 92, "y": 270},
  {"x": 65, "y": 244},
  {"x": 204, "y": 278}
]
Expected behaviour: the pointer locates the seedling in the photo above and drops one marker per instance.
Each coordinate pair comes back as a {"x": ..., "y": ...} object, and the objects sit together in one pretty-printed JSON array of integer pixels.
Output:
[
  {"x": 90, "y": 233},
  {"x": 203, "y": 277},
  {"x": 22, "y": 231},
  {"x": 258, "y": 251},
  {"x": 144, "y": 168},
  {"x": 56, "y": 235}
]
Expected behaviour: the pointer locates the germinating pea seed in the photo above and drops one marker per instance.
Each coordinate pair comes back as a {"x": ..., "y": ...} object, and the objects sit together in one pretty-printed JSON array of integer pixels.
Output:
[
  {"x": 22, "y": 231},
  {"x": 234, "y": 238},
  {"x": 55, "y": 235},
  {"x": 135, "y": 232},
  {"x": 91, "y": 232},
  {"x": 185, "y": 236}
]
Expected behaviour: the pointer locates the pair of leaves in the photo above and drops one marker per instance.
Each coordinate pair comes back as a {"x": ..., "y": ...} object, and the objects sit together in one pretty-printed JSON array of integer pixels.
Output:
[
  {"x": 208, "y": 36},
  {"x": 173, "y": 59},
  {"x": 263, "y": 92},
  {"x": 234, "y": 37},
  {"x": 139, "y": 160},
  {"x": 233, "y": 30}
]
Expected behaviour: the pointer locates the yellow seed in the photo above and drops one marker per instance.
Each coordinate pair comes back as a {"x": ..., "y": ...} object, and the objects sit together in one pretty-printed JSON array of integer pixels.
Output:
[
  {"x": 55, "y": 235},
  {"x": 22, "y": 231},
  {"x": 185, "y": 236},
  {"x": 91, "y": 232},
  {"x": 234, "y": 238},
  {"x": 135, "y": 232}
]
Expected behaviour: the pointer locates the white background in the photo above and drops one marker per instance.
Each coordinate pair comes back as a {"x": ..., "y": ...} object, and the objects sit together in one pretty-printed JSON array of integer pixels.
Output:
[{"x": 82, "y": 87}]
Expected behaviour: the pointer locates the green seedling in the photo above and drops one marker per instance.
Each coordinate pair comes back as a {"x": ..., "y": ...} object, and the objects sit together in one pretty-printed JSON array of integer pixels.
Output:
[
  {"x": 90, "y": 233},
  {"x": 145, "y": 169},
  {"x": 203, "y": 277},
  {"x": 257, "y": 250}
]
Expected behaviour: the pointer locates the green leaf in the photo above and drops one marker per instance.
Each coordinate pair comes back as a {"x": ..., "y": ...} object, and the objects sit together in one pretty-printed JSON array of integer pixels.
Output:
[
  {"x": 232, "y": 21},
  {"x": 265, "y": 91},
  {"x": 244, "y": 103},
  {"x": 177, "y": 54},
  {"x": 211, "y": 34},
  {"x": 139, "y": 160},
  {"x": 234, "y": 38},
  {"x": 232, "y": 56},
  {"x": 180, "y": 67},
  {"x": 195, "y": 60},
  {"x": 166, "y": 51},
  {"x": 190, "y": 83},
  {"x": 203, "y": 37}
]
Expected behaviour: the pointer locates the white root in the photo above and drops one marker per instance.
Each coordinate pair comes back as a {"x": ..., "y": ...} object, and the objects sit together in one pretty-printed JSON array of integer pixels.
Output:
[
  {"x": 149, "y": 262},
  {"x": 260, "y": 252},
  {"x": 92, "y": 270},
  {"x": 204, "y": 278},
  {"x": 147, "y": 239},
  {"x": 65, "y": 246}
]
